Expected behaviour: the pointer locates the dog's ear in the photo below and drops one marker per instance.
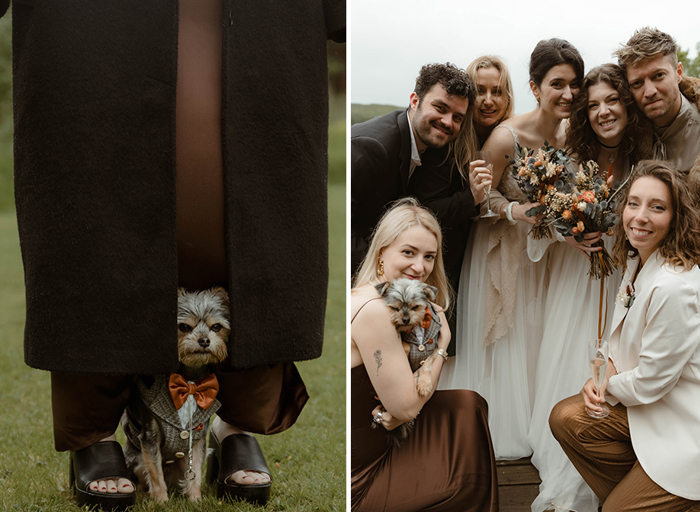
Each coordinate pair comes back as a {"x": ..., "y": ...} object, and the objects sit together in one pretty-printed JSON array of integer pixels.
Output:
[
  {"x": 382, "y": 287},
  {"x": 181, "y": 291},
  {"x": 430, "y": 292},
  {"x": 220, "y": 292}
]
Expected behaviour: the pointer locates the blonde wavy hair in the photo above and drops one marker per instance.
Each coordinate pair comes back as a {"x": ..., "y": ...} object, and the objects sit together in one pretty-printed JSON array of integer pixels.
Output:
[
  {"x": 504, "y": 83},
  {"x": 404, "y": 214},
  {"x": 466, "y": 144}
]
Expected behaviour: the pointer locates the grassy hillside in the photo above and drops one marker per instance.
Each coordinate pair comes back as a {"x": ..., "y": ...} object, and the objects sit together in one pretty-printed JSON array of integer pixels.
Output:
[{"x": 360, "y": 113}]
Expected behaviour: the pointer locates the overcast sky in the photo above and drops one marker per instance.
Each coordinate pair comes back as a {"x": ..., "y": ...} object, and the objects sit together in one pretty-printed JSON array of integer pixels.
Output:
[{"x": 391, "y": 39}]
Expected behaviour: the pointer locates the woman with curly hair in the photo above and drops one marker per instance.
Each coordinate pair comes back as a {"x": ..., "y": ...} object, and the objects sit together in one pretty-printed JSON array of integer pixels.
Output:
[
  {"x": 641, "y": 456},
  {"x": 606, "y": 126}
]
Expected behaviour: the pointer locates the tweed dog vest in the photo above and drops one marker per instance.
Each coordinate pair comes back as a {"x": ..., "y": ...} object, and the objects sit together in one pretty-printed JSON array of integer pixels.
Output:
[
  {"x": 157, "y": 399},
  {"x": 422, "y": 348}
]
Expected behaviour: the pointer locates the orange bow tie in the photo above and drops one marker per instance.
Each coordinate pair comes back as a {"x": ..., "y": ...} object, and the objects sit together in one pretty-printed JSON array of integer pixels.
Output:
[{"x": 204, "y": 391}]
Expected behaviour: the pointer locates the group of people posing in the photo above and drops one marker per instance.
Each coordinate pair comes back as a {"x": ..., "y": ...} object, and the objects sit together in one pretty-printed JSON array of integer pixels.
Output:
[{"x": 518, "y": 312}]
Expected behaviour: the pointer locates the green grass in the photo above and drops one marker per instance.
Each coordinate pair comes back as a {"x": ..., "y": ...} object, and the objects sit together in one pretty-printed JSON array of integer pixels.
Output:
[
  {"x": 307, "y": 462},
  {"x": 360, "y": 113}
]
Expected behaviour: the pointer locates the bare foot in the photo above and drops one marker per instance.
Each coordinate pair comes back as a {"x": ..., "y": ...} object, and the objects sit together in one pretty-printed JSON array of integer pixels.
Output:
[
  {"x": 121, "y": 485},
  {"x": 221, "y": 429}
]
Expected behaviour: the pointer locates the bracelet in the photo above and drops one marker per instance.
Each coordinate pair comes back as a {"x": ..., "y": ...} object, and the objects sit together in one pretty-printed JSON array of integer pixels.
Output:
[
  {"x": 509, "y": 211},
  {"x": 442, "y": 353}
]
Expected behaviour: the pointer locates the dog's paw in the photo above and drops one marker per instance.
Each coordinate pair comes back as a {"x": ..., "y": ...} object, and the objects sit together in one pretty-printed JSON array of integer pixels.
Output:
[
  {"x": 195, "y": 493},
  {"x": 424, "y": 385},
  {"x": 160, "y": 495}
]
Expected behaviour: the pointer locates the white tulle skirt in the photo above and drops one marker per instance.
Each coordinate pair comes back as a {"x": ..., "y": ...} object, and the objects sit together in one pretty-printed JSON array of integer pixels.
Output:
[
  {"x": 504, "y": 371},
  {"x": 570, "y": 322}
]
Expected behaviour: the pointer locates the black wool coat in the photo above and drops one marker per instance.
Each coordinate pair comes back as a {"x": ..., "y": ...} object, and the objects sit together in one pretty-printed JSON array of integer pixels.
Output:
[
  {"x": 439, "y": 186},
  {"x": 94, "y": 96}
]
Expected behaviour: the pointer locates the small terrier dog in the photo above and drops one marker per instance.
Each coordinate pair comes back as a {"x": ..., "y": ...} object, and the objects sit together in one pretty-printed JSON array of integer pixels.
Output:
[
  {"x": 167, "y": 419},
  {"x": 410, "y": 302}
]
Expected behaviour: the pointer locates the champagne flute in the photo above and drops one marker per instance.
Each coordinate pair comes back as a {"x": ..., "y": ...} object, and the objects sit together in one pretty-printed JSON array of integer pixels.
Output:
[
  {"x": 486, "y": 157},
  {"x": 598, "y": 352}
]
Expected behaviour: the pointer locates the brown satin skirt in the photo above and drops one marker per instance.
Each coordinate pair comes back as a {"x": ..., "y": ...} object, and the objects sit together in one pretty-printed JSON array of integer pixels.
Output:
[
  {"x": 266, "y": 399},
  {"x": 446, "y": 464}
]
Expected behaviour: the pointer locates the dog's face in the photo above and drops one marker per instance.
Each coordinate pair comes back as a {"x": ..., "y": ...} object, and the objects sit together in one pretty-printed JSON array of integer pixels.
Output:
[
  {"x": 202, "y": 326},
  {"x": 407, "y": 299}
]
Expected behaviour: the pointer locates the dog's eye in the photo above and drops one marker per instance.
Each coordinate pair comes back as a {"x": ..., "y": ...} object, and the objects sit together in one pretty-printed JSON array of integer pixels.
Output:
[
  {"x": 184, "y": 328},
  {"x": 394, "y": 308},
  {"x": 216, "y": 327},
  {"x": 415, "y": 308}
]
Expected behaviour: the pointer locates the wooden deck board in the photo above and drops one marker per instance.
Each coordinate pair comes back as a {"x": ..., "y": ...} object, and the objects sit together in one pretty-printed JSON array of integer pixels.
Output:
[{"x": 518, "y": 485}]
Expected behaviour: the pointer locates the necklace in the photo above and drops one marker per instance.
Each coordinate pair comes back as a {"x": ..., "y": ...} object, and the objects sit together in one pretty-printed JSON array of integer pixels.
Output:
[
  {"x": 612, "y": 156},
  {"x": 610, "y": 147}
]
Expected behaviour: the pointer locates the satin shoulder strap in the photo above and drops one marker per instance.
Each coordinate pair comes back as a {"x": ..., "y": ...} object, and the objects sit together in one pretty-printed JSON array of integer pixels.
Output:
[{"x": 363, "y": 305}]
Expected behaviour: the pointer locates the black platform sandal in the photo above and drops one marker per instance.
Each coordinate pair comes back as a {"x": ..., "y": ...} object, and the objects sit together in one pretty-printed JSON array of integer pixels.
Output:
[
  {"x": 101, "y": 461},
  {"x": 237, "y": 452}
]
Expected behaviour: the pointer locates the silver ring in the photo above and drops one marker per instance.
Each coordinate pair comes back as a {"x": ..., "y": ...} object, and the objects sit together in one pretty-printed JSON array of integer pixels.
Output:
[{"x": 378, "y": 418}]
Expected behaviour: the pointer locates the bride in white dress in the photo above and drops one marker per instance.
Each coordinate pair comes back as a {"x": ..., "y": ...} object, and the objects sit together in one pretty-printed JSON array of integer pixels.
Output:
[
  {"x": 503, "y": 279},
  {"x": 603, "y": 127}
]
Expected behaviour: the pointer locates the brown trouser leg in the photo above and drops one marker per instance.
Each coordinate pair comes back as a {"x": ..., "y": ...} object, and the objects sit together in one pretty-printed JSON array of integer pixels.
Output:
[
  {"x": 601, "y": 450},
  {"x": 266, "y": 399},
  {"x": 86, "y": 408}
]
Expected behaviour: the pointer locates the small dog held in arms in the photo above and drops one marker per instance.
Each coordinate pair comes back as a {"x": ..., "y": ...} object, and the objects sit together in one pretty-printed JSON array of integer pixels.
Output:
[
  {"x": 413, "y": 315},
  {"x": 167, "y": 419},
  {"x": 416, "y": 319}
]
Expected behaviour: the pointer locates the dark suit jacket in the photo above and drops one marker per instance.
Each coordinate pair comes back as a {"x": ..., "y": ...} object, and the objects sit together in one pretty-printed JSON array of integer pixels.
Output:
[
  {"x": 380, "y": 158},
  {"x": 439, "y": 186}
]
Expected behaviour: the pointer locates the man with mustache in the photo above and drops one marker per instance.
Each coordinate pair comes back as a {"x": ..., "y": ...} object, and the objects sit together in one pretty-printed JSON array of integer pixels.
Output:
[
  {"x": 658, "y": 84},
  {"x": 387, "y": 151}
]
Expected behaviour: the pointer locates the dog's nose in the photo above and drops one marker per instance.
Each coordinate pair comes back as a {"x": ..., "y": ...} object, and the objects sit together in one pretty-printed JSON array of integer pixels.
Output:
[{"x": 203, "y": 342}]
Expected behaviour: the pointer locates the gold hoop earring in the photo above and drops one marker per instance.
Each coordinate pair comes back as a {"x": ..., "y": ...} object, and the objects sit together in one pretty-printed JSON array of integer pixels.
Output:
[{"x": 380, "y": 268}]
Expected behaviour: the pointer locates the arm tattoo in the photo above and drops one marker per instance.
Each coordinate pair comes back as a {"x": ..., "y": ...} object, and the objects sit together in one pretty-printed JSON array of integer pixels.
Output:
[{"x": 378, "y": 359}]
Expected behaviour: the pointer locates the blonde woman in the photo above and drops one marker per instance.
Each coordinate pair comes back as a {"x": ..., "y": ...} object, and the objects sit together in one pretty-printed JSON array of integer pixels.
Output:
[
  {"x": 446, "y": 463},
  {"x": 494, "y": 94}
]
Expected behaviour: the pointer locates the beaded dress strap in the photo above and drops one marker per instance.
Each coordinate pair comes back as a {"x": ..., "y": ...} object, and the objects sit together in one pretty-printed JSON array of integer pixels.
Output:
[{"x": 512, "y": 131}]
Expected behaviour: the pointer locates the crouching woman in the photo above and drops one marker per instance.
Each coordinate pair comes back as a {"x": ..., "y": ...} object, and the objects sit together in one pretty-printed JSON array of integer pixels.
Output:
[
  {"x": 446, "y": 463},
  {"x": 645, "y": 455}
]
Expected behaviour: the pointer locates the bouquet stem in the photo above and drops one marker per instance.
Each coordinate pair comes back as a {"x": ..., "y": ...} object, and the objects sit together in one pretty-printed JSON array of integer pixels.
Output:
[
  {"x": 601, "y": 262},
  {"x": 540, "y": 231}
]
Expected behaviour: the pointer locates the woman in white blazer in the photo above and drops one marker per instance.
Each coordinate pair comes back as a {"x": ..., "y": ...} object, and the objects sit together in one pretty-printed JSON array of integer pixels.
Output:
[{"x": 646, "y": 454}]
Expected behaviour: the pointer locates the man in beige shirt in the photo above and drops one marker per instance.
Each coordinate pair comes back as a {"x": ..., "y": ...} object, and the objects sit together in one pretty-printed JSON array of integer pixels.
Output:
[{"x": 654, "y": 74}]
